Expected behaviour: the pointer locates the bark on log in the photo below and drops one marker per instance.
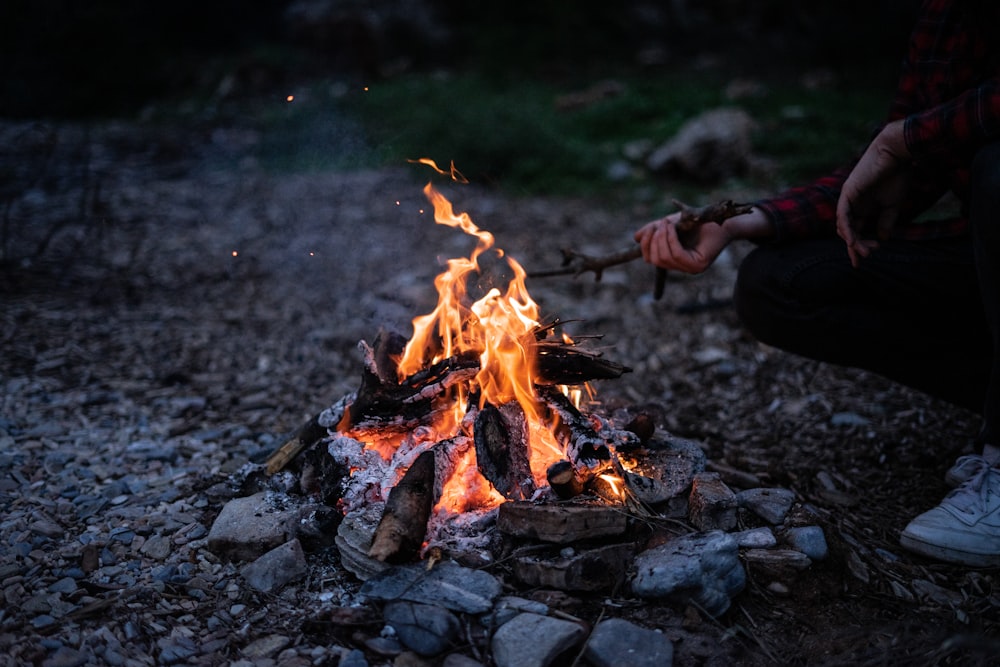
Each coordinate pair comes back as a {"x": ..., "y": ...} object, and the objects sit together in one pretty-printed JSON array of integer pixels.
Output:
[
  {"x": 502, "y": 450},
  {"x": 562, "y": 523},
  {"x": 403, "y": 526},
  {"x": 585, "y": 444},
  {"x": 563, "y": 480},
  {"x": 303, "y": 437}
]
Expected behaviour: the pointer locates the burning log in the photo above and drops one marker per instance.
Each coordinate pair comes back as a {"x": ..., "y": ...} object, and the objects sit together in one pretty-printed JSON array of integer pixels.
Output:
[
  {"x": 502, "y": 450},
  {"x": 403, "y": 525},
  {"x": 587, "y": 444},
  {"x": 563, "y": 480}
]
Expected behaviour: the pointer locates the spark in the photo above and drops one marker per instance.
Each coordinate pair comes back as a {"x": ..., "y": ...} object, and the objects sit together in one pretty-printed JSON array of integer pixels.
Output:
[{"x": 290, "y": 98}]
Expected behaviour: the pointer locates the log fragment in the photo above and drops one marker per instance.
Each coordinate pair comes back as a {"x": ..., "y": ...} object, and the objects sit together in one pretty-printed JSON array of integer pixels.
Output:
[
  {"x": 403, "y": 526},
  {"x": 563, "y": 480},
  {"x": 586, "y": 445},
  {"x": 561, "y": 523},
  {"x": 304, "y": 436},
  {"x": 600, "y": 568},
  {"x": 501, "y": 439}
]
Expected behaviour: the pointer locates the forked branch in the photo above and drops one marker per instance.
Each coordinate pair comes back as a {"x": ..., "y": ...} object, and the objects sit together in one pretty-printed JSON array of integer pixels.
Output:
[{"x": 574, "y": 263}]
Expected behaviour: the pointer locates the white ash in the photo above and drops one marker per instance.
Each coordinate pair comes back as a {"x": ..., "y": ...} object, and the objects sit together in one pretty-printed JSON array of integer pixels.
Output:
[{"x": 331, "y": 416}]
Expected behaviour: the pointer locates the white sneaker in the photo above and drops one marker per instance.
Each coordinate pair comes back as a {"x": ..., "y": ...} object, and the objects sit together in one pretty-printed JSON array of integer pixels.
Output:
[
  {"x": 965, "y": 528},
  {"x": 965, "y": 468}
]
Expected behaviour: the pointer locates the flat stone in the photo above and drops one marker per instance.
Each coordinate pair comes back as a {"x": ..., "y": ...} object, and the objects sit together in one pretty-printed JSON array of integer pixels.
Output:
[
  {"x": 265, "y": 647},
  {"x": 770, "y": 504},
  {"x": 246, "y": 528},
  {"x": 755, "y": 538},
  {"x": 447, "y": 584},
  {"x": 619, "y": 643},
  {"x": 810, "y": 540},
  {"x": 425, "y": 629},
  {"x": 156, "y": 547},
  {"x": 277, "y": 567},
  {"x": 700, "y": 567},
  {"x": 531, "y": 640}
]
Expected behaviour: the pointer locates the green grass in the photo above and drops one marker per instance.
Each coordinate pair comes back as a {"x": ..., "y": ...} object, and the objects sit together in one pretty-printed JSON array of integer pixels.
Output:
[{"x": 512, "y": 134}]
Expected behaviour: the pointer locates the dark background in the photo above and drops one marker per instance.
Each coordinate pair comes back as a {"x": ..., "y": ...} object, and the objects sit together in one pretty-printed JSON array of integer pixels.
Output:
[{"x": 68, "y": 58}]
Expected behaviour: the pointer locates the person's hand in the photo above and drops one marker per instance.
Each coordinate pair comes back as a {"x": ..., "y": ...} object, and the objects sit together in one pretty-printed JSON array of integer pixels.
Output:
[
  {"x": 874, "y": 190},
  {"x": 662, "y": 247},
  {"x": 695, "y": 251}
]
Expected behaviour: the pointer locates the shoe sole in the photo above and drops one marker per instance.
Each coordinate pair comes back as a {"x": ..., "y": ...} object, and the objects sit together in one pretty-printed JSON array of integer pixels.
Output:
[{"x": 954, "y": 556}]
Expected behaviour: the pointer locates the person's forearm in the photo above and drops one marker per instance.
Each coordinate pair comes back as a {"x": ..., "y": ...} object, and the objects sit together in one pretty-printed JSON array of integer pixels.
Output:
[{"x": 752, "y": 225}]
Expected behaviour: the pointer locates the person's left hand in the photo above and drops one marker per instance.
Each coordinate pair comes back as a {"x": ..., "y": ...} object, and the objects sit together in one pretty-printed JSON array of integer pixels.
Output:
[{"x": 874, "y": 190}]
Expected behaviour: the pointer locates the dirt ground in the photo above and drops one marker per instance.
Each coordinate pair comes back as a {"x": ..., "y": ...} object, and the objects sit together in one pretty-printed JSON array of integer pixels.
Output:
[{"x": 159, "y": 281}]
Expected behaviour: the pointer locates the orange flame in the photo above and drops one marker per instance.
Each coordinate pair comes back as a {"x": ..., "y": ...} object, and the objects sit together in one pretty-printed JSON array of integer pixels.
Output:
[{"x": 499, "y": 326}]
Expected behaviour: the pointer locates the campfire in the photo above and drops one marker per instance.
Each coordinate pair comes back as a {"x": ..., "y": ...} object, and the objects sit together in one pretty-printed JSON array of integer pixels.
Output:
[
  {"x": 479, "y": 441},
  {"x": 480, "y": 417}
]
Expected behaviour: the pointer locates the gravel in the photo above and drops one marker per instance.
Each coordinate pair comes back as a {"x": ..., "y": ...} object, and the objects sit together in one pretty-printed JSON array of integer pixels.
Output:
[{"x": 169, "y": 312}]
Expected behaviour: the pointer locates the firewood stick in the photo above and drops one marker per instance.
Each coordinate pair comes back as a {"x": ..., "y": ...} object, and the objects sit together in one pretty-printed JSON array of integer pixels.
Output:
[
  {"x": 303, "y": 437},
  {"x": 574, "y": 263},
  {"x": 563, "y": 480},
  {"x": 403, "y": 525}
]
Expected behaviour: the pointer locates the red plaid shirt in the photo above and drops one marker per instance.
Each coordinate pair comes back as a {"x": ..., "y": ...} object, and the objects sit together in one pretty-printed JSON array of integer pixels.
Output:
[{"x": 949, "y": 96}]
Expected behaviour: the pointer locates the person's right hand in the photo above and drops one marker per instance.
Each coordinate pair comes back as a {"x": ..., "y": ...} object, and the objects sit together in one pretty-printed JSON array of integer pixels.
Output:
[{"x": 874, "y": 190}]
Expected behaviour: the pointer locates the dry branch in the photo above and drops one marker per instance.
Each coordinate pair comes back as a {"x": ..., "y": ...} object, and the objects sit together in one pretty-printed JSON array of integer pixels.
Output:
[{"x": 574, "y": 263}]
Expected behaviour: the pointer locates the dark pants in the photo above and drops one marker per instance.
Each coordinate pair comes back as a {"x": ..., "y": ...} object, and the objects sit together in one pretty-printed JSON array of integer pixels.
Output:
[{"x": 925, "y": 314}]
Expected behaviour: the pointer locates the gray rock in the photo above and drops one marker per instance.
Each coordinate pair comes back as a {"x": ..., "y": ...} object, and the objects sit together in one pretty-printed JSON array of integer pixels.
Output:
[
  {"x": 265, "y": 647},
  {"x": 712, "y": 505},
  {"x": 424, "y": 629},
  {"x": 156, "y": 547},
  {"x": 447, "y": 585},
  {"x": 810, "y": 540},
  {"x": 702, "y": 567},
  {"x": 755, "y": 538},
  {"x": 770, "y": 504},
  {"x": 176, "y": 649},
  {"x": 510, "y": 606},
  {"x": 459, "y": 660},
  {"x": 248, "y": 527},
  {"x": 531, "y": 640},
  {"x": 713, "y": 145},
  {"x": 355, "y": 658},
  {"x": 277, "y": 567},
  {"x": 618, "y": 643}
]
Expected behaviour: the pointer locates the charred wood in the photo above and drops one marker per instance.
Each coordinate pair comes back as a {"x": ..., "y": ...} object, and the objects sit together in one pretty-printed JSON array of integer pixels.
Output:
[
  {"x": 411, "y": 400},
  {"x": 501, "y": 439},
  {"x": 562, "y": 523},
  {"x": 305, "y": 436},
  {"x": 586, "y": 445},
  {"x": 561, "y": 363},
  {"x": 563, "y": 480},
  {"x": 401, "y": 530}
]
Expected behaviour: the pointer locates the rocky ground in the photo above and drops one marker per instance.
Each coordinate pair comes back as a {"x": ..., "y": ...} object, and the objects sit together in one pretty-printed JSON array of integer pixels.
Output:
[{"x": 170, "y": 312}]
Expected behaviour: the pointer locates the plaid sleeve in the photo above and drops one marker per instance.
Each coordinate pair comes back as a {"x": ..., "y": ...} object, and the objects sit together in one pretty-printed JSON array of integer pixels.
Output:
[
  {"x": 807, "y": 211},
  {"x": 951, "y": 132}
]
